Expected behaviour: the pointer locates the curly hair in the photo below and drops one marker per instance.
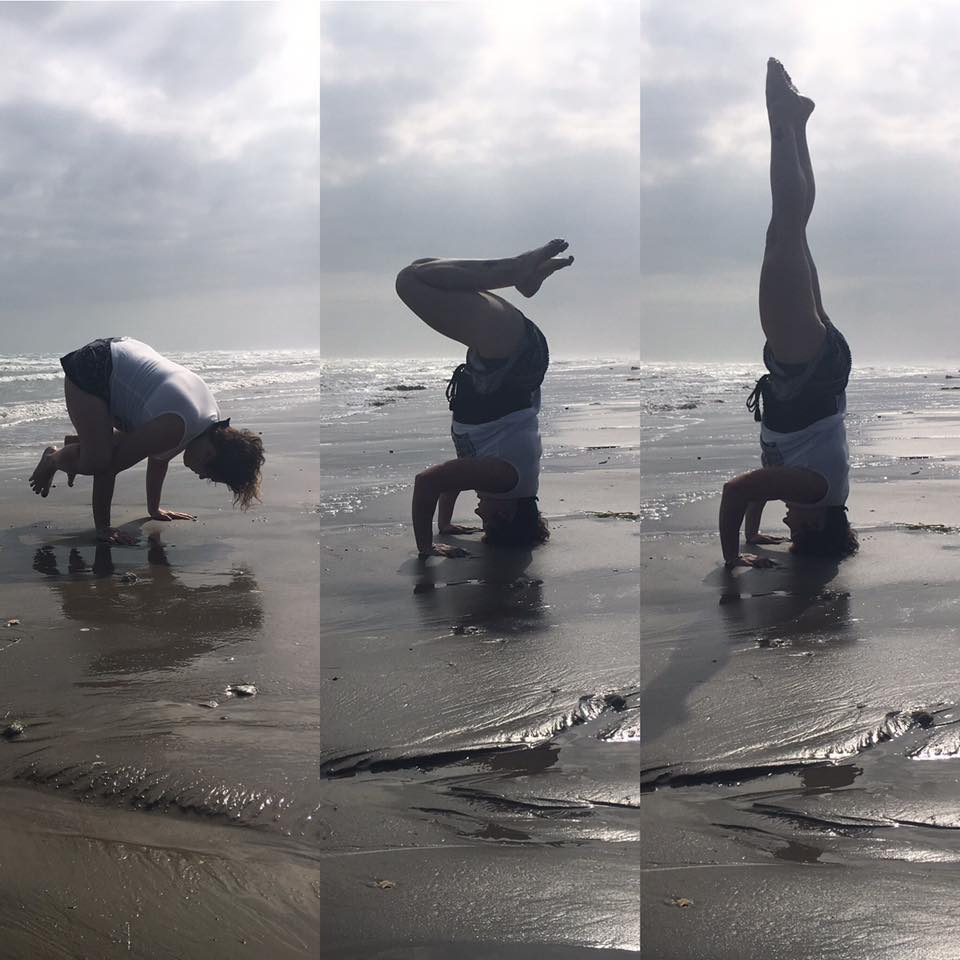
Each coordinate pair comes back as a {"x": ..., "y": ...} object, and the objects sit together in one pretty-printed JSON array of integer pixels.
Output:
[
  {"x": 237, "y": 462},
  {"x": 526, "y": 529},
  {"x": 836, "y": 540}
]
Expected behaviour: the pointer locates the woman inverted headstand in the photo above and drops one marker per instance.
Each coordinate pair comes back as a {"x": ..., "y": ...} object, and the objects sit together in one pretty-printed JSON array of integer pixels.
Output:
[
  {"x": 127, "y": 403},
  {"x": 801, "y": 401},
  {"x": 494, "y": 396}
]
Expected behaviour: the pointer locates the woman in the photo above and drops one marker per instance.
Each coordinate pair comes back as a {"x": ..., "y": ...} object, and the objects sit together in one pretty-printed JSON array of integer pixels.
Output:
[
  {"x": 801, "y": 402},
  {"x": 494, "y": 396},
  {"x": 160, "y": 410}
]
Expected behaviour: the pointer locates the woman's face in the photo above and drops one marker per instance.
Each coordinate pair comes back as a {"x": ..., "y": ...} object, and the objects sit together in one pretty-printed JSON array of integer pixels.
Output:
[
  {"x": 197, "y": 455},
  {"x": 805, "y": 519},
  {"x": 492, "y": 511}
]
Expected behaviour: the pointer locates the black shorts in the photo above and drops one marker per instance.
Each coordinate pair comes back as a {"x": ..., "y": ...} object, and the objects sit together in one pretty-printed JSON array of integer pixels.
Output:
[
  {"x": 483, "y": 390},
  {"x": 796, "y": 395},
  {"x": 90, "y": 367}
]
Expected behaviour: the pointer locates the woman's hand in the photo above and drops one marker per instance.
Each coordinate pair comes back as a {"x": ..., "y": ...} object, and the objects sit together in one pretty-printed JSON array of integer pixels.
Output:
[
  {"x": 457, "y": 528},
  {"x": 170, "y": 515},
  {"x": 762, "y": 539},
  {"x": 750, "y": 560},
  {"x": 444, "y": 550},
  {"x": 120, "y": 537}
]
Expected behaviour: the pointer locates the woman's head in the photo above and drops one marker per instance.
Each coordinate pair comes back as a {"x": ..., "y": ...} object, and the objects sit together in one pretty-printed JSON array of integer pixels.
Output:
[
  {"x": 226, "y": 455},
  {"x": 821, "y": 532},
  {"x": 515, "y": 522}
]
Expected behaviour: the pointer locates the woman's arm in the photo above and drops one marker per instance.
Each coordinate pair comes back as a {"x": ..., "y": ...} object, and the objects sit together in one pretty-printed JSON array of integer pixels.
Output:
[
  {"x": 758, "y": 486},
  {"x": 751, "y": 520},
  {"x": 445, "y": 508},
  {"x": 103, "y": 484},
  {"x": 156, "y": 471},
  {"x": 156, "y": 436},
  {"x": 751, "y": 525},
  {"x": 465, "y": 473}
]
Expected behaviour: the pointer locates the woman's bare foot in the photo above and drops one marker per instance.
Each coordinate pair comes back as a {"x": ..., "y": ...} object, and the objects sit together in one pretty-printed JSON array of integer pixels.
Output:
[
  {"x": 527, "y": 263},
  {"x": 42, "y": 477},
  {"x": 784, "y": 102},
  {"x": 531, "y": 284}
]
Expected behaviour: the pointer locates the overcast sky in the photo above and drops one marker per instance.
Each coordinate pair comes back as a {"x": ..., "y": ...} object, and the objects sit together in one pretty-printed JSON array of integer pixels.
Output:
[
  {"x": 638, "y": 131},
  {"x": 159, "y": 174},
  {"x": 231, "y": 174}
]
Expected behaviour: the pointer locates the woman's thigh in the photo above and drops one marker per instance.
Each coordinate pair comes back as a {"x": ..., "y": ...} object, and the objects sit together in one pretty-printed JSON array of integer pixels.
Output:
[
  {"x": 482, "y": 320},
  {"x": 92, "y": 421}
]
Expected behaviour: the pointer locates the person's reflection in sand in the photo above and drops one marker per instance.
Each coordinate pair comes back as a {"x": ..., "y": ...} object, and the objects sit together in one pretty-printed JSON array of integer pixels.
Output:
[
  {"x": 491, "y": 592},
  {"x": 790, "y": 607},
  {"x": 150, "y": 618}
]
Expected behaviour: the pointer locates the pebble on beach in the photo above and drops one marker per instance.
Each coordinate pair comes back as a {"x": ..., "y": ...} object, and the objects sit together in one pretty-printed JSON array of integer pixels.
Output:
[{"x": 14, "y": 729}]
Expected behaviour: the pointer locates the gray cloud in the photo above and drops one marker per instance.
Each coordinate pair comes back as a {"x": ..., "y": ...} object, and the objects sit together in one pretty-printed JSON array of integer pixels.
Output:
[{"x": 157, "y": 153}]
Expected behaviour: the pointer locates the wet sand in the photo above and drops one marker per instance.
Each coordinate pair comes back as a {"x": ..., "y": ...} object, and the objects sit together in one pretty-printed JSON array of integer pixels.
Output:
[
  {"x": 474, "y": 721},
  {"x": 801, "y": 747},
  {"x": 147, "y": 812},
  {"x": 478, "y": 717}
]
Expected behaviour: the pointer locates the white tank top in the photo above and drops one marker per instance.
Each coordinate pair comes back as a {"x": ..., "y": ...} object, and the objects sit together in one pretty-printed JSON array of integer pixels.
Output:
[
  {"x": 514, "y": 438},
  {"x": 821, "y": 447},
  {"x": 145, "y": 385}
]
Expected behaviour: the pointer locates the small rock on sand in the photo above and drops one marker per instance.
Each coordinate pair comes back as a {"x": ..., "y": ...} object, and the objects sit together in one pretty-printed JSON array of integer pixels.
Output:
[
  {"x": 14, "y": 729},
  {"x": 242, "y": 690}
]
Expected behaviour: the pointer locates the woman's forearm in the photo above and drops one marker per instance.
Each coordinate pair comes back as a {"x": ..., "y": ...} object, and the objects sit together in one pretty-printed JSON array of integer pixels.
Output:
[
  {"x": 445, "y": 508},
  {"x": 751, "y": 520},
  {"x": 103, "y": 484},
  {"x": 424, "y": 505},
  {"x": 732, "y": 509},
  {"x": 156, "y": 472}
]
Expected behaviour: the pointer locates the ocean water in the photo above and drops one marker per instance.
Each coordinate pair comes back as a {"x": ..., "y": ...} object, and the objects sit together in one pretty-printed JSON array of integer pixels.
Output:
[
  {"x": 703, "y": 405},
  {"x": 259, "y": 385}
]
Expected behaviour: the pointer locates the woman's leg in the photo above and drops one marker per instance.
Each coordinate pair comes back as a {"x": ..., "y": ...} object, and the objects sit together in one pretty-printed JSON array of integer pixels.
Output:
[
  {"x": 92, "y": 453},
  {"x": 790, "y": 307},
  {"x": 453, "y": 296}
]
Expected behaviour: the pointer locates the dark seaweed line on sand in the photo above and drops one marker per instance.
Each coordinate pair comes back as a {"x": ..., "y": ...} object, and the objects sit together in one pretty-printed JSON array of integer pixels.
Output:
[
  {"x": 409, "y": 758},
  {"x": 151, "y": 791},
  {"x": 895, "y": 724},
  {"x": 844, "y": 822}
]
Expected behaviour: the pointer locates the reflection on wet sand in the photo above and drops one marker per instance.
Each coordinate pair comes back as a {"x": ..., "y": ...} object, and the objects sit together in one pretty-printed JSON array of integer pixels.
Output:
[
  {"x": 153, "y": 600},
  {"x": 802, "y": 609},
  {"x": 789, "y": 607},
  {"x": 490, "y": 593}
]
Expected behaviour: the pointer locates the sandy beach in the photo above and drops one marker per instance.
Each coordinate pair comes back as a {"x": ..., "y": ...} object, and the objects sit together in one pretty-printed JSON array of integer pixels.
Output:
[
  {"x": 478, "y": 718},
  {"x": 474, "y": 720},
  {"x": 147, "y": 811},
  {"x": 800, "y": 724}
]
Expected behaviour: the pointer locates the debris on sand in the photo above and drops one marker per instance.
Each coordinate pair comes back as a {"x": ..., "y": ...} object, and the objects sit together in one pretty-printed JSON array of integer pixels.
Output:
[
  {"x": 241, "y": 690},
  {"x": 407, "y": 386},
  {"x": 13, "y": 730},
  {"x": 929, "y": 527},
  {"x": 614, "y": 514}
]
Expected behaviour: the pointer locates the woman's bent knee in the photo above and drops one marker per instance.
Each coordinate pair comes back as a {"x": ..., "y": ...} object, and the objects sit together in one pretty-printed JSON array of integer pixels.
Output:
[
  {"x": 408, "y": 283},
  {"x": 90, "y": 462}
]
